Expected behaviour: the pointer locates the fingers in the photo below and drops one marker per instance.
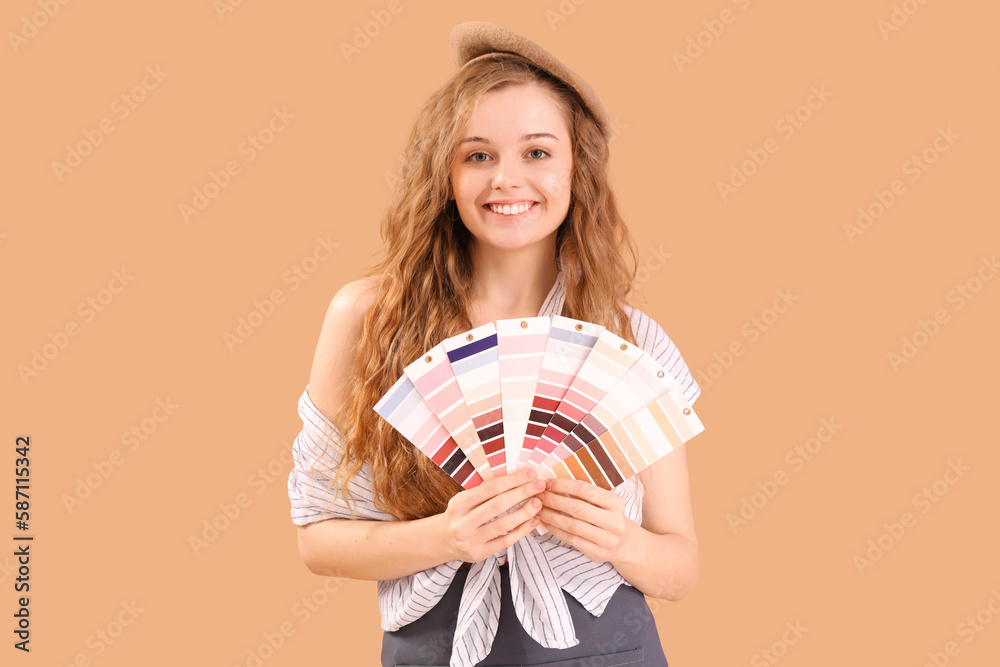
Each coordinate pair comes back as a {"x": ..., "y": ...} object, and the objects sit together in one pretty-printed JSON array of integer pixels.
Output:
[
  {"x": 592, "y": 508},
  {"x": 585, "y": 491},
  {"x": 517, "y": 532},
  {"x": 472, "y": 498},
  {"x": 599, "y": 535},
  {"x": 594, "y": 551},
  {"x": 494, "y": 514},
  {"x": 506, "y": 522},
  {"x": 502, "y": 531},
  {"x": 501, "y": 503}
]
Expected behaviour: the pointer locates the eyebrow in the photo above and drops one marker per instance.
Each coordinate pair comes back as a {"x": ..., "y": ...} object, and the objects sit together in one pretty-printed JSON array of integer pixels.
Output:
[{"x": 524, "y": 137}]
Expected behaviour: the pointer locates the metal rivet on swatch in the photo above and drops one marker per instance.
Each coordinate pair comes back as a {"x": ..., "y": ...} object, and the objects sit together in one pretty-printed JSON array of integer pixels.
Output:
[
  {"x": 624, "y": 346},
  {"x": 687, "y": 411},
  {"x": 659, "y": 374},
  {"x": 469, "y": 337},
  {"x": 427, "y": 358},
  {"x": 524, "y": 325},
  {"x": 579, "y": 327}
]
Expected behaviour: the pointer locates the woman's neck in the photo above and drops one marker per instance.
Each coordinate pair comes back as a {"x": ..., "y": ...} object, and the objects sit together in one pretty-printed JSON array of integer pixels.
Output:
[{"x": 509, "y": 290}]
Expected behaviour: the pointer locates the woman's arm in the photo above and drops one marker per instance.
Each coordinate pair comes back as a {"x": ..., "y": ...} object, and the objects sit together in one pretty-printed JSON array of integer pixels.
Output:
[
  {"x": 360, "y": 549},
  {"x": 475, "y": 525},
  {"x": 364, "y": 549},
  {"x": 659, "y": 557}
]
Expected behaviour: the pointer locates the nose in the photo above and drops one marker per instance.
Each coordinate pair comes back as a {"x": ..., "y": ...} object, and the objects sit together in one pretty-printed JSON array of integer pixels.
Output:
[{"x": 506, "y": 173}]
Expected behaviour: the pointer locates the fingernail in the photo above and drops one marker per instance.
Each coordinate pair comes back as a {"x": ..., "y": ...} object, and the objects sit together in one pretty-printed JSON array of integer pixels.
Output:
[
  {"x": 531, "y": 474},
  {"x": 548, "y": 484},
  {"x": 539, "y": 484},
  {"x": 536, "y": 503}
]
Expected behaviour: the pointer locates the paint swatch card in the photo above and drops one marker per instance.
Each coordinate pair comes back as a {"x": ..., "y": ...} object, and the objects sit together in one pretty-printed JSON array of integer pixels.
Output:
[
  {"x": 569, "y": 343},
  {"x": 633, "y": 444},
  {"x": 434, "y": 379},
  {"x": 475, "y": 363},
  {"x": 609, "y": 359},
  {"x": 521, "y": 345},
  {"x": 642, "y": 383},
  {"x": 408, "y": 412},
  {"x": 566, "y": 397}
]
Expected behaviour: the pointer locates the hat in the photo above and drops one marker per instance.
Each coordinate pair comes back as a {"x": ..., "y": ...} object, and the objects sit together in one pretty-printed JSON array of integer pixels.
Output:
[{"x": 473, "y": 40}]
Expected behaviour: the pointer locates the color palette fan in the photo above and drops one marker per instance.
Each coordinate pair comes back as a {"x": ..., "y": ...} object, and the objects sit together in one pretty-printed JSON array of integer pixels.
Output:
[{"x": 566, "y": 397}]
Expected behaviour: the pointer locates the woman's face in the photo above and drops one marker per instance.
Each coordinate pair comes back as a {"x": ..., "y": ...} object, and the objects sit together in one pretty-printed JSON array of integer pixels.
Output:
[{"x": 515, "y": 151}]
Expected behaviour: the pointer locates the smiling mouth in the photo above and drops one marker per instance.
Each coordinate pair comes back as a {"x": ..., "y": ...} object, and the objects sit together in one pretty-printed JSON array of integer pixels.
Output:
[{"x": 509, "y": 211}]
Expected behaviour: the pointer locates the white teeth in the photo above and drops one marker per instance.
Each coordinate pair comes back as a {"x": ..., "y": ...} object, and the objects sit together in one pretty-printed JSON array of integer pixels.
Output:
[{"x": 507, "y": 209}]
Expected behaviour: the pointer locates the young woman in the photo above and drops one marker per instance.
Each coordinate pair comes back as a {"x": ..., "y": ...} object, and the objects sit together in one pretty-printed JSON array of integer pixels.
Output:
[{"x": 504, "y": 211}]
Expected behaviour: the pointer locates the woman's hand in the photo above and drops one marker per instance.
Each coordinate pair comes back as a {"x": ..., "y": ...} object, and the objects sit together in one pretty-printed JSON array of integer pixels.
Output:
[
  {"x": 591, "y": 519},
  {"x": 476, "y": 523}
]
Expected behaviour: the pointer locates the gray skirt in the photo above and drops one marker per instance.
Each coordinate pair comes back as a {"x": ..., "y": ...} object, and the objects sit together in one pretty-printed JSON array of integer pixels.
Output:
[{"x": 625, "y": 634}]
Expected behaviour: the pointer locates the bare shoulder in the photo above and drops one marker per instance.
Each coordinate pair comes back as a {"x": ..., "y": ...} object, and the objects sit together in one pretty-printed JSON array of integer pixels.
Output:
[
  {"x": 341, "y": 330},
  {"x": 356, "y": 297}
]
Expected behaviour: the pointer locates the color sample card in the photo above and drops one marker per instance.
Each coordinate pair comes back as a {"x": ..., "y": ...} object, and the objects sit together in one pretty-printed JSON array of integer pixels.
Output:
[
  {"x": 633, "y": 444},
  {"x": 643, "y": 383},
  {"x": 610, "y": 359},
  {"x": 433, "y": 377},
  {"x": 520, "y": 345},
  {"x": 407, "y": 411},
  {"x": 569, "y": 343},
  {"x": 475, "y": 363},
  {"x": 566, "y": 397}
]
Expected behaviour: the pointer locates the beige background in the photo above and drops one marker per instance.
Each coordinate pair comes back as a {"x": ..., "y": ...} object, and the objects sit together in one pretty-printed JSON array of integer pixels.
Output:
[{"x": 327, "y": 174}]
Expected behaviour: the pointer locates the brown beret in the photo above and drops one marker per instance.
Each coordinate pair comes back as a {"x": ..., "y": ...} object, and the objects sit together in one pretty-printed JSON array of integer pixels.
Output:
[{"x": 477, "y": 39}]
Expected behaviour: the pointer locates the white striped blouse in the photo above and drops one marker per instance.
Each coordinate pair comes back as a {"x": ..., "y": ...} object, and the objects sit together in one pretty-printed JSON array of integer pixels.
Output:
[{"x": 541, "y": 567}]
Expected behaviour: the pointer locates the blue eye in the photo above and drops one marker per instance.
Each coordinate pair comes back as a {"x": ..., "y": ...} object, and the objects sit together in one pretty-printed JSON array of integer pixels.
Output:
[{"x": 469, "y": 159}]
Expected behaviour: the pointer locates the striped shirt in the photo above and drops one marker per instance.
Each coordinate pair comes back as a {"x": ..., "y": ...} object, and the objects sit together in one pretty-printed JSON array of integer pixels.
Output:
[{"x": 541, "y": 567}]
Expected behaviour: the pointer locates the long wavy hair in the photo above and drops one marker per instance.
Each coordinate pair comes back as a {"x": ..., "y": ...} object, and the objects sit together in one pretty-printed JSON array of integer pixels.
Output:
[{"x": 426, "y": 277}]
